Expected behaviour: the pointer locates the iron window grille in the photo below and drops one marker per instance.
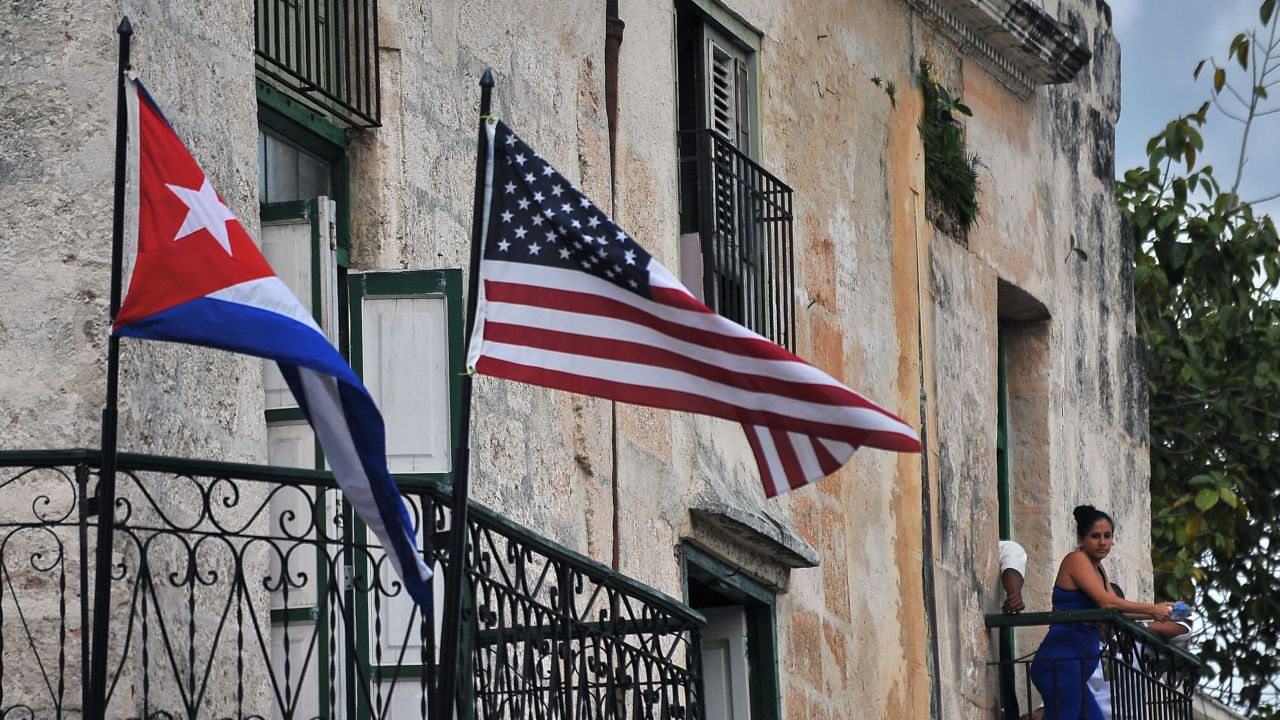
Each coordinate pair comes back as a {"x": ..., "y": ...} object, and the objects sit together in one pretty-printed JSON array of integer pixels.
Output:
[
  {"x": 744, "y": 221},
  {"x": 325, "y": 52},
  {"x": 248, "y": 591}
]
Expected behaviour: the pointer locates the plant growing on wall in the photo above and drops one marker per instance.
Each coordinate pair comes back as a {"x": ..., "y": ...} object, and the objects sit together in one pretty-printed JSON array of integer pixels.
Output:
[
  {"x": 950, "y": 170},
  {"x": 1207, "y": 290}
]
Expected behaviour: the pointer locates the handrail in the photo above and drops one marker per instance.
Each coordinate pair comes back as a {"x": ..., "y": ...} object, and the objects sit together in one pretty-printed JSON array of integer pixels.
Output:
[
  {"x": 743, "y": 217},
  {"x": 724, "y": 145},
  {"x": 322, "y": 478},
  {"x": 1077, "y": 617}
]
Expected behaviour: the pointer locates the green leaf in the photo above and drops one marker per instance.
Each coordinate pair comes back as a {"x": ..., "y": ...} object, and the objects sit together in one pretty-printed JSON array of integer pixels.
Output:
[
  {"x": 1228, "y": 497},
  {"x": 1265, "y": 12},
  {"x": 1219, "y": 79},
  {"x": 1199, "y": 66},
  {"x": 1206, "y": 499}
]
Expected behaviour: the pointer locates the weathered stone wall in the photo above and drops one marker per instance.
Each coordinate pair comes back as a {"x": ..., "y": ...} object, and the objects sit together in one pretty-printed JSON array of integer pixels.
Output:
[
  {"x": 1076, "y": 395},
  {"x": 885, "y": 302},
  {"x": 55, "y": 231},
  {"x": 57, "y": 138}
]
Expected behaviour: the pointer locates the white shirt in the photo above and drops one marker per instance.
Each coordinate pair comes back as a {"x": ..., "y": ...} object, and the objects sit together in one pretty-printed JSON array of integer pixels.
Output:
[{"x": 1012, "y": 557}]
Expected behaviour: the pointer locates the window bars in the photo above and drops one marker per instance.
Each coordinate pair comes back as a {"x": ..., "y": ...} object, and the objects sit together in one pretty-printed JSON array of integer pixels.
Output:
[
  {"x": 744, "y": 220},
  {"x": 325, "y": 52}
]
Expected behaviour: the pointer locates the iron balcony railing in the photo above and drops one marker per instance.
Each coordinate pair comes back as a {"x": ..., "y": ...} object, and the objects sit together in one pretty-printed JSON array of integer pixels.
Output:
[
  {"x": 1144, "y": 676},
  {"x": 243, "y": 591},
  {"x": 744, "y": 220},
  {"x": 325, "y": 52}
]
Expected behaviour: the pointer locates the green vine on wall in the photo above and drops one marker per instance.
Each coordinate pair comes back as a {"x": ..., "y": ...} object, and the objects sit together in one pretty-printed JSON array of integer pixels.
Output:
[{"x": 950, "y": 170}]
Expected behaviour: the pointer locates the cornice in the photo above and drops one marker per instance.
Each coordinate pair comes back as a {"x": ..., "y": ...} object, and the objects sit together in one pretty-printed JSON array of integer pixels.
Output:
[{"x": 1015, "y": 40}]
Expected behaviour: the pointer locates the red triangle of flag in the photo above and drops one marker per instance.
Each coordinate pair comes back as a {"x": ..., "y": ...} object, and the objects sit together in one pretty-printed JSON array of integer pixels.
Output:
[{"x": 189, "y": 242}]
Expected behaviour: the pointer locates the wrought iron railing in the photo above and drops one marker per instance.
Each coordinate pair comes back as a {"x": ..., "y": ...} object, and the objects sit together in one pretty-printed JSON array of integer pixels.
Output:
[
  {"x": 242, "y": 591},
  {"x": 325, "y": 52},
  {"x": 744, "y": 219},
  {"x": 1143, "y": 675}
]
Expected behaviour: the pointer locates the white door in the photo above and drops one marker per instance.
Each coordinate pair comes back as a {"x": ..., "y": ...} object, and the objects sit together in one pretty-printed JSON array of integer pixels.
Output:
[{"x": 725, "y": 671}]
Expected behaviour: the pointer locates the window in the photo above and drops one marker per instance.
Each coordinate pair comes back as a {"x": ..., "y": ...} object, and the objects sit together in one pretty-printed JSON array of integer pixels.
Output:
[
  {"x": 1022, "y": 415},
  {"x": 1022, "y": 412},
  {"x": 402, "y": 333},
  {"x": 735, "y": 217},
  {"x": 1002, "y": 439},
  {"x": 739, "y": 642}
]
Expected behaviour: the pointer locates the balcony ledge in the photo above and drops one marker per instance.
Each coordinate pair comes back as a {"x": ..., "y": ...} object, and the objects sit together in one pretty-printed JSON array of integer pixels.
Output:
[{"x": 1015, "y": 40}]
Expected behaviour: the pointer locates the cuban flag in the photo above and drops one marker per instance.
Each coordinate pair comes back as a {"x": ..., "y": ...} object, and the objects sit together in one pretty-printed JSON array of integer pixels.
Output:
[{"x": 200, "y": 279}]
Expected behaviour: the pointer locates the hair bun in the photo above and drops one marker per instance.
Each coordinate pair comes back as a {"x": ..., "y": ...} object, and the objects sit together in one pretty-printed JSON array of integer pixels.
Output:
[{"x": 1086, "y": 516}]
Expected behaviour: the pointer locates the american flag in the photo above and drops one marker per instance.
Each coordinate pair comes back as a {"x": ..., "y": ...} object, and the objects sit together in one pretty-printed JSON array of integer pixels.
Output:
[{"x": 568, "y": 300}]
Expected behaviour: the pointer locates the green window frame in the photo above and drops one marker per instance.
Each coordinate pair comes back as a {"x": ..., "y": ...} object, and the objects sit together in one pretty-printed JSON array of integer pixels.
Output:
[
  {"x": 291, "y": 121},
  {"x": 759, "y": 604},
  {"x": 288, "y": 123},
  {"x": 446, "y": 283},
  {"x": 1003, "y": 490},
  {"x": 709, "y": 39}
]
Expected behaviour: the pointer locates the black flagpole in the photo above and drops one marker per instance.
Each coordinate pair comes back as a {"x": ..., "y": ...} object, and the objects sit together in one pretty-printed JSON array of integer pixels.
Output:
[
  {"x": 106, "y": 498},
  {"x": 451, "y": 628}
]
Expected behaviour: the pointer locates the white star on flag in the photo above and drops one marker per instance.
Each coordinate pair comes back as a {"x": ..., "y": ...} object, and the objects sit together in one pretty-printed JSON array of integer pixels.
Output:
[{"x": 205, "y": 211}]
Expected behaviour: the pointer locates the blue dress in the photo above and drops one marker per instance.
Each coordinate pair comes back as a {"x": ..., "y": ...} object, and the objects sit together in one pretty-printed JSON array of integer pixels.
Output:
[{"x": 1065, "y": 660}]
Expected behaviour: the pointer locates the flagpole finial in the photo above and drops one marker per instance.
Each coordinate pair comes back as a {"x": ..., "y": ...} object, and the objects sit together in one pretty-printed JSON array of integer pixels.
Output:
[
  {"x": 126, "y": 27},
  {"x": 486, "y": 80}
]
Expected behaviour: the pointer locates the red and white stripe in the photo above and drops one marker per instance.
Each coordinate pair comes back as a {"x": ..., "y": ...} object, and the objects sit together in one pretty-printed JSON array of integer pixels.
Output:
[{"x": 572, "y": 331}]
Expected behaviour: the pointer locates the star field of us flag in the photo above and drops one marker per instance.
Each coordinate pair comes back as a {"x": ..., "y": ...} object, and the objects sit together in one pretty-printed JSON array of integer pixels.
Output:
[
  {"x": 570, "y": 301},
  {"x": 200, "y": 279}
]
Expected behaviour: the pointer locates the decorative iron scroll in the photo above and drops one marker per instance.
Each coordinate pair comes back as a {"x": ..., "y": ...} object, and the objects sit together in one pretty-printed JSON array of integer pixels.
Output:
[{"x": 249, "y": 592}]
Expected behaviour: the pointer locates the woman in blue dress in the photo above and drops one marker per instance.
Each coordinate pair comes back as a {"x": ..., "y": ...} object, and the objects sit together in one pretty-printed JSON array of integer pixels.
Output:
[{"x": 1070, "y": 653}]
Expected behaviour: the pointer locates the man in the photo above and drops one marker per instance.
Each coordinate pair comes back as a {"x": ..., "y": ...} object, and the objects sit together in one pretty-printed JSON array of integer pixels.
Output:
[{"x": 1013, "y": 566}]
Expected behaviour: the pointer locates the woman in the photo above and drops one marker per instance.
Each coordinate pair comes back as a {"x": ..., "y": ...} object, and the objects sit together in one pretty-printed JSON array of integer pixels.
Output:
[{"x": 1070, "y": 653}]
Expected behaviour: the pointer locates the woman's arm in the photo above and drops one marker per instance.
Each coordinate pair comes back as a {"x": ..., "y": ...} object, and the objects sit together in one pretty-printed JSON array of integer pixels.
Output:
[{"x": 1077, "y": 566}]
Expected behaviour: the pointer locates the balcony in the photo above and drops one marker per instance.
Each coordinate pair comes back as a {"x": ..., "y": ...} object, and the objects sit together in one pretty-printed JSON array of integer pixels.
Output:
[
  {"x": 325, "y": 53},
  {"x": 1148, "y": 678},
  {"x": 247, "y": 591},
  {"x": 744, "y": 222}
]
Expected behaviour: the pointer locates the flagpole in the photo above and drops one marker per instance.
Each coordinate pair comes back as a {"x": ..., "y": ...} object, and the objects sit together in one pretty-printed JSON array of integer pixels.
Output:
[
  {"x": 95, "y": 701},
  {"x": 452, "y": 621}
]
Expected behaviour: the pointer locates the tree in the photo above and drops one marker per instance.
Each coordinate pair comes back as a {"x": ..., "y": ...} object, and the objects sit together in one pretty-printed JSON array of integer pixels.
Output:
[{"x": 1206, "y": 283}]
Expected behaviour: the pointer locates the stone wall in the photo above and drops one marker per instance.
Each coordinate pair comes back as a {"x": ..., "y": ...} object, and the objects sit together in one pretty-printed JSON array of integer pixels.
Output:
[{"x": 56, "y": 169}]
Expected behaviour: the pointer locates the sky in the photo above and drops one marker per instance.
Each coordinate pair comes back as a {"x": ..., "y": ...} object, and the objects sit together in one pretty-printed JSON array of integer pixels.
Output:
[{"x": 1160, "y": 43}]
